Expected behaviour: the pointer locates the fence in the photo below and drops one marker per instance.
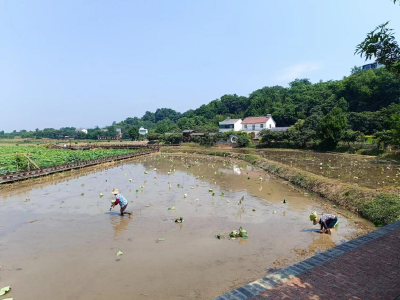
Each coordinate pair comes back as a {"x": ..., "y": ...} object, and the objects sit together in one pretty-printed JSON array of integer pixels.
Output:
[
  {"x": 107, "y": 146},
  {"x": 23, "y": 175}
]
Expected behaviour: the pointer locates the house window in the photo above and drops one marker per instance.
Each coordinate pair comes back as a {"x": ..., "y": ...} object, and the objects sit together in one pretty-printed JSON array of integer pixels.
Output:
[
  {"x": 261, "y": 125},
  {"x": 245, "y": 126},
  {"x": 270, "y": 126},
  {"x": 253, "y": 127}
]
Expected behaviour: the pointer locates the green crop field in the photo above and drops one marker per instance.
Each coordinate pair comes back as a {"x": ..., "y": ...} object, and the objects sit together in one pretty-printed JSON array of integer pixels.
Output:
[{"x": 12, "y": 158}]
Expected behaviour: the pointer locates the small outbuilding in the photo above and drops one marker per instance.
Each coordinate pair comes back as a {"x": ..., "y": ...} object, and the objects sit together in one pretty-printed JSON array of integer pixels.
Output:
[{"x": 230, "y": 125}]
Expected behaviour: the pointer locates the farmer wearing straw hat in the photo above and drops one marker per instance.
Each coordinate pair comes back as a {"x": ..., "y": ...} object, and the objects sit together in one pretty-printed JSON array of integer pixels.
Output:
[
  {"x": 119, "y": 199},
  {"x": 327, "y": 221}
]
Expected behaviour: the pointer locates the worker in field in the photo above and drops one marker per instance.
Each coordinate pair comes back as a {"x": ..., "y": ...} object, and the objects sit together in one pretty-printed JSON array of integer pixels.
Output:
[
  {"x": 120, "y": 199},
  {"x": 327, "y": 221}
]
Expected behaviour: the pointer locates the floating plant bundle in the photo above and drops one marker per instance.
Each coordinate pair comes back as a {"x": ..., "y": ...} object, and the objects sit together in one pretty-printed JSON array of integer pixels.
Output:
[
  {"x": 239, "y": 233},
  {"x": 5, "y": 290},
  {"x": 179, "y": 220}
]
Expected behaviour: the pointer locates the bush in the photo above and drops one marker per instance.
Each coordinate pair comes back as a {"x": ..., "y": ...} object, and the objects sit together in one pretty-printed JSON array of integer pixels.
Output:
[
  {"x": 250, "y": 158},
  {"x": 385, "y": 209},
  {"x": 371, "y": 152}
]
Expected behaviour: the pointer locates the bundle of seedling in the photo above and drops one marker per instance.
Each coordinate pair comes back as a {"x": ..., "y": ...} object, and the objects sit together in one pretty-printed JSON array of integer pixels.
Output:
[{"x": 234, "y": 234}]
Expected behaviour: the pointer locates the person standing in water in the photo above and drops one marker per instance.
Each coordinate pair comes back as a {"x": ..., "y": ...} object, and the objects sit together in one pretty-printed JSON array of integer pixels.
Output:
[
  {"x": 327, "y": 222},
  {"x": 119, "y": 199}
]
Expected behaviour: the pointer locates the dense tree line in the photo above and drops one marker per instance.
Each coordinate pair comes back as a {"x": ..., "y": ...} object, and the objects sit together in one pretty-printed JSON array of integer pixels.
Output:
[{"x": 365, "y": 102}]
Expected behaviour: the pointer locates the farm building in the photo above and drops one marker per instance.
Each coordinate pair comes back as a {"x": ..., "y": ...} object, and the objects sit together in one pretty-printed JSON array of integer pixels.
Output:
[
  {"x": 230, "y": 125},
  {"x": 143, "y": 131},
  {"x": 256, "y": 124}
]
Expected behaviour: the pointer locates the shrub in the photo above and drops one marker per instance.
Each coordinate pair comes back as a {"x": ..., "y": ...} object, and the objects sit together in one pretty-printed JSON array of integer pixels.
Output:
[
  {"x": 384, "y": 210},
  {"x": 250, "y": 158},
  {"x": 371, "y": 152}
]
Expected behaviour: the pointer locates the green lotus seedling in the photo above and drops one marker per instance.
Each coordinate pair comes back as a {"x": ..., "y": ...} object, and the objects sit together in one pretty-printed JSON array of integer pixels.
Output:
[{"x": 5, "y": 290}]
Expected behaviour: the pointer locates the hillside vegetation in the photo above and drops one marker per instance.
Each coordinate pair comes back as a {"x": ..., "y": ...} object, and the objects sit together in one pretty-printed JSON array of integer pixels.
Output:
[{"x": 366, "y": 102}]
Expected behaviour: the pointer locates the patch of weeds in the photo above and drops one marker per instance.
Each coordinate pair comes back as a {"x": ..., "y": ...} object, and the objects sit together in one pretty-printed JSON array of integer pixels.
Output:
[
  {"x": 250, "y": 158},
  {"x": 299, "y": 179},
  {"x": 371, "y": 152},
  {"x": 391, "y": 156},
  {"x": 383, "y": 210},
  {"x": 223, "y": 154}
]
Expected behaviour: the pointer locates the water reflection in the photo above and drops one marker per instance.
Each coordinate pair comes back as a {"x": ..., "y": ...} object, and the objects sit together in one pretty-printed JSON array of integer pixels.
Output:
[
  {"x": 321, "y": 243},
  {"x": 119, "y": 223}
]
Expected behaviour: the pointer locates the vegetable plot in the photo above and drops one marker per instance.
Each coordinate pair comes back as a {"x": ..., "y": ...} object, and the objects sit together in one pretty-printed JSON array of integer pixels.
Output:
[{"x": 10, "y": 162}]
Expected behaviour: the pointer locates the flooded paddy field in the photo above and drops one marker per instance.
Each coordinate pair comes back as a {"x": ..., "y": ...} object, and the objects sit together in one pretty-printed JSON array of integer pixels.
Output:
[
  {"x": 58, "y": 240},
  {"x": 359, "y": 170}
]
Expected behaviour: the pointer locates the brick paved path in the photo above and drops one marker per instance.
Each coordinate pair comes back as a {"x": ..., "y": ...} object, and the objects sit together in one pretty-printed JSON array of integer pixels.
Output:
[{"x": 365, "y": 268}]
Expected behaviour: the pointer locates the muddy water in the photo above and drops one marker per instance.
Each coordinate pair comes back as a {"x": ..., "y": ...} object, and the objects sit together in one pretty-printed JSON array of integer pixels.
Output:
[
  {"x": 59, "y": 240},
  {"x": 355, "y": 169}
]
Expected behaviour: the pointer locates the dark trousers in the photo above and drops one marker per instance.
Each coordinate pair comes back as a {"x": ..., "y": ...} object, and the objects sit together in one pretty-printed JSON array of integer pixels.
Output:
[{"x": 123, "y": 209}]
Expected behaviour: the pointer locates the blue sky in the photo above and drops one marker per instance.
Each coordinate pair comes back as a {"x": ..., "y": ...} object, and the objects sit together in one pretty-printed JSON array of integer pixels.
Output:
[{"x": 88, "y": 63}]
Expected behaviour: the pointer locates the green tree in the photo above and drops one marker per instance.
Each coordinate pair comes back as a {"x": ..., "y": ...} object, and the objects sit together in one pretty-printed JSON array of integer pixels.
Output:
[
  {"x": 268, "y": 137},
  {"x": 332, "y": 128},
  {"x": 173, "y": 139},
  {"x": 381, "y": 44},
  {"x": 396, "y": 128},
  {"x": 166, "y": 125},
  {"x": 350, "y": 136},
  {"x": 385, "y": 138},
  {"x": 133, "y": 133},
  {"x": 243, "y": 139}
]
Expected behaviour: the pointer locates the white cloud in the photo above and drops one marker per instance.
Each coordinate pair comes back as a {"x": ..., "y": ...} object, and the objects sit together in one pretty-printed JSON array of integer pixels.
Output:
[{"x": 299, "y": 71}]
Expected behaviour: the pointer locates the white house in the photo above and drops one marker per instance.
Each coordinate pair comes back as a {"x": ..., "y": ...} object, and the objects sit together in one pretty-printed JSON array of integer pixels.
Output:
[
  {"x": 143, "y": 131},
  {"x": 256, "y": 124},
  {"x": 230, "y": 124},
  {"x": 81, "y": 130}
]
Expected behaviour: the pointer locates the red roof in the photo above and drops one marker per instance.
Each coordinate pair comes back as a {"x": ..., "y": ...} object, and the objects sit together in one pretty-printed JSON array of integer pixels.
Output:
[{"x": 255, "y": 120}]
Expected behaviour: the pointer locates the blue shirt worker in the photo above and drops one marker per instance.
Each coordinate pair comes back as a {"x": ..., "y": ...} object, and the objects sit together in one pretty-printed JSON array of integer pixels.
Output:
[
  {"x": 119, "y": 199},
  {"x": 326, "y": 221}
]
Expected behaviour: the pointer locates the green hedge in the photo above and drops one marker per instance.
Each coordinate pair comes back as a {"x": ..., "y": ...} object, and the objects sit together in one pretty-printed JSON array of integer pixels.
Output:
[{"x": 385, "y": 209}]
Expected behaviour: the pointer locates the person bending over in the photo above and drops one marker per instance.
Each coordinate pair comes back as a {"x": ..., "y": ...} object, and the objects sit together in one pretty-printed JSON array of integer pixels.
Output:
[
  {"x": 119, "y": 199},
  {"x": 327, "y": 221}
]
